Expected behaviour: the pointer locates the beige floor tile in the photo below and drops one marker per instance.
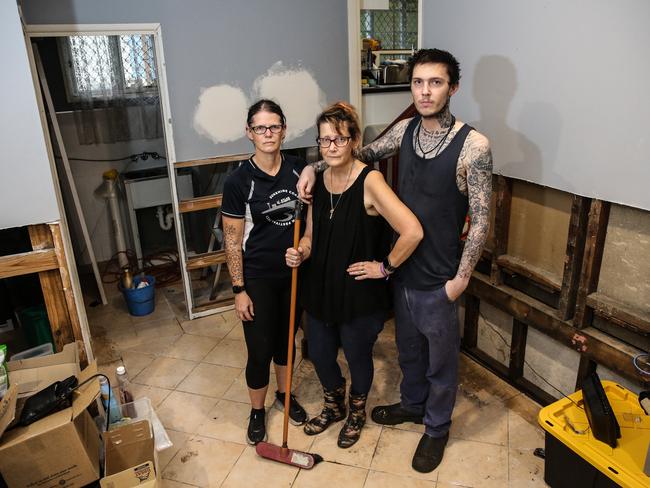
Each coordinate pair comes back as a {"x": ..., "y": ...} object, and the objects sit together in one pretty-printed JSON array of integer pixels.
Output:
[
  {"x": 227, "y": 421},
  {"x": 475, "y": 464},
  {"x": 453, "y": 485},
  {"x": 238, "y": 391},
  {"x": 236, "y": 333},
  {"x": 394, "y": 454},
  {"x": 475, "y": 420},
  {"x": 163, "y": 483},
  {"x": 184, "y": 412},
  {"x": 253, "y": 470},
  {"x": 526, "y": 408},
  {"x": 377, "y": 479},
  {"x": 209, "y": 380},
  {"x": 297, "y": 438},
  {"x": 165, "y": 372},
  {"x": 328, "y": 475},
  {"x": 135, "y": 362},
  {"x": 155, "y": 329},
  {"x": 522, "y": 434},
  {"x": 191, "y": 347},
  {"x": 153, "y": 393},
  {"x": 228, "y": 353},
  {"x": 161, "y": 311},
  {"x": 157, "y": 347},
  {"x": 359, "y": 455},
  {"x": 474, "y": 378},
  {"x": 212, "y": 326},
  {"x": 178, "y": 442},
  {"x": 203, "y": 462},
  {"x": 309, "y": 393},
  {"x": 525, "y": 470}
]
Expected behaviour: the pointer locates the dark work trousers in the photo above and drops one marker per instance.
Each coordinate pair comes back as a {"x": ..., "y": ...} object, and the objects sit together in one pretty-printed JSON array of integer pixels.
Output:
[
  {"x": 428, "y": 344},
  {"x": 268, "y": 333},
  {"x": 357, "y": 337}
]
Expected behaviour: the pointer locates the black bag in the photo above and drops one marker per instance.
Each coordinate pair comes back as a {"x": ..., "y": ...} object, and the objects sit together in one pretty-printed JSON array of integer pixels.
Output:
[{"x": 55, "y": 397}]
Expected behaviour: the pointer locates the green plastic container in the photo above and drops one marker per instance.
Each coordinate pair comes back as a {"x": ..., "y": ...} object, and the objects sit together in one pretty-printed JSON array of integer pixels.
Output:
[{"x": 36, "y": 325}]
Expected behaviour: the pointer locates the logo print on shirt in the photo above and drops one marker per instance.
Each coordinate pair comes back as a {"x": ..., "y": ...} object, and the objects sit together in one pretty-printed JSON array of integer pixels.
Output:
[{"x": 281, "y": 207}]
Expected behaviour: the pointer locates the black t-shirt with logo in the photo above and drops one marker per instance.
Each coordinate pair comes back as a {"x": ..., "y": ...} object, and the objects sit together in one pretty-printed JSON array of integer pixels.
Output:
[{"x": 267, "y": 204}]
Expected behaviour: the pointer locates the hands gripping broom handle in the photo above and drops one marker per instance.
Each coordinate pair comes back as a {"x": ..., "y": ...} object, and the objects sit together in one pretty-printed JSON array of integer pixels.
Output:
[{"x": 292, "y": 323}]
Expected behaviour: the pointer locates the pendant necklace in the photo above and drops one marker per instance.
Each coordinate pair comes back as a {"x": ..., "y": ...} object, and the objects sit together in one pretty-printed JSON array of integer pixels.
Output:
[
  {"x": 332, "y": 206},
  {"x": 440, "y": 143}
]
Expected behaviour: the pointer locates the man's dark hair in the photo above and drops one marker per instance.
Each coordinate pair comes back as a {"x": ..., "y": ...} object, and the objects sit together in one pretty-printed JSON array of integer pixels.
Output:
[
  {"x": 425, "y": 56},
  {"x": 265, "y": 105}
]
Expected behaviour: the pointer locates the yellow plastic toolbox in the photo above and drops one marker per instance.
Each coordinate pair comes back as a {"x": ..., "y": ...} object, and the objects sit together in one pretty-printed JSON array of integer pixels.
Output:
[{"x": 576, "y": 459}]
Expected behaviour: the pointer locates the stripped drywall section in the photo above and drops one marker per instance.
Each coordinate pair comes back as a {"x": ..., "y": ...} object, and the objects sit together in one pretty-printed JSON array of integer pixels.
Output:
[{"x": 221, "y": 113}]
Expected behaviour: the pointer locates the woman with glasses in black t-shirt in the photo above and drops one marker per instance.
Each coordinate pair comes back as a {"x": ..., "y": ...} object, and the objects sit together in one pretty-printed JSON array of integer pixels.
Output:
[
  {"x": 259, "y": 199},
  {"x": 347, "y": 240}
]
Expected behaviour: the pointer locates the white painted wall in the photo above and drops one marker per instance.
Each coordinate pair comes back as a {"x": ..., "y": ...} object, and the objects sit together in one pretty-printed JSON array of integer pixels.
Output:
[
  {"x": 560, "y": 88},
  {"x": 27, "y": 194},
  {"x": 88, "y": 176}
]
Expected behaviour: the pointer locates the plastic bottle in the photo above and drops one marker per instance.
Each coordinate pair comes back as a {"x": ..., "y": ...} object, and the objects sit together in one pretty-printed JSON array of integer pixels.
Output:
[
  {"x": 112, "y": 405},
  {"x": 124, "y": 386}
]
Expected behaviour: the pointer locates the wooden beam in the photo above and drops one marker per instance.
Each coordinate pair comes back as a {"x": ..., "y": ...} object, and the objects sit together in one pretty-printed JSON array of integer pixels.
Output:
[
  {"x": 68, "y": 290},
  {"x": 517, "y": 349},
  {"x": 503, "y": 191},
  {"x": 232, "y": 158},
  {"x": 573, "y": 257},
  {"x": 27, "y": 262},
  {"x": 603, "y": 349},
  {"x": 200, "y": 203},
  {"x": 619, "y": 313},
  {"x": 204, "y": 260},
  {"x": 593, "y": 256},
  {"x": 57, "y": 310},
  {"x": 470, "y": 333},
  {"x": 540, "y": 276}
]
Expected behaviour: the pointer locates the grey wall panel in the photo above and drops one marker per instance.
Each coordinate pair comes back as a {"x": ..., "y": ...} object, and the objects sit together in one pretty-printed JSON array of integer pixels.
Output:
[
  {"x": 213, "y": 42},
  {"x": 561, "y": 89},
  {"x": 26, "y": 186}
]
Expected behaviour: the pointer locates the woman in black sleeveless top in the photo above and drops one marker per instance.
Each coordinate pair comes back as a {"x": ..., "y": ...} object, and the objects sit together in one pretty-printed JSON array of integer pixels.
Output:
[{"x": 344, "y": 288}]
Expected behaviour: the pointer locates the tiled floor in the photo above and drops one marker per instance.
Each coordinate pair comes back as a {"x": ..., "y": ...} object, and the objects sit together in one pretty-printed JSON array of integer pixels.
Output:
[{"x": 193, "y": 373}]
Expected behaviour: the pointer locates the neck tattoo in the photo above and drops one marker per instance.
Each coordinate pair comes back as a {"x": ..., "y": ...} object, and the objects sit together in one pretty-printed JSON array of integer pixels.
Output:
[
  {"x": 332, "y": 205},
  {"x": 440, "y": 143}
]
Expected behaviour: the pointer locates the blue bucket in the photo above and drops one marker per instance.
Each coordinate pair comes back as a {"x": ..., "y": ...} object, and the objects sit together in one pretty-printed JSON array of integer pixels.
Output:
[{"x": 140, "y": 301}]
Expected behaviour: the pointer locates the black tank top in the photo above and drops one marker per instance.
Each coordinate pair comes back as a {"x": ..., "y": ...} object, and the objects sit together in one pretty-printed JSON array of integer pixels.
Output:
[
  {"x": 328, "y": 292},
  {"x": 428, "y": 187}
]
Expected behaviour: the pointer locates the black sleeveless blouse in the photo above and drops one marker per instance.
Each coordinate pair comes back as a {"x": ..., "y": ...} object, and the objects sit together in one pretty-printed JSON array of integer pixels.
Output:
[{"x": 328, "y": 292}]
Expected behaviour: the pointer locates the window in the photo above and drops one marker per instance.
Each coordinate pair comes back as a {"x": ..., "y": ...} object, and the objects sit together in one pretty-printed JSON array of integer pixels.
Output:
[
  {"x": 109, "y": 67},
  {"x": 396, "y": 28}
]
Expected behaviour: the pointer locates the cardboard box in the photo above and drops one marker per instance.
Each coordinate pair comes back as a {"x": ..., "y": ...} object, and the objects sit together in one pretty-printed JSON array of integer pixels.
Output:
[
  {"x": 130, "y": 457},
  {"x": 62, "y": 449},
  {"x": 8, "y": 408}
]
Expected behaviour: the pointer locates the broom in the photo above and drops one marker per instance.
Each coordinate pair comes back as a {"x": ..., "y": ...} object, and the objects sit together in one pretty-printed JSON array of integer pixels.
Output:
[{"x": 266, "y": 450}]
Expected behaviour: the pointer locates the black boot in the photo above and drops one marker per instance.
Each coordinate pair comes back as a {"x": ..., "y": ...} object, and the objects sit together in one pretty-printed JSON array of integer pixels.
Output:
[
  {"x": 351, "y": 431},
  {"x": 429, "y": 452},
  {"x": 333, "y": 411},
  {"x": 297, "y": 414},
  {"x": 394, "y": 414}
]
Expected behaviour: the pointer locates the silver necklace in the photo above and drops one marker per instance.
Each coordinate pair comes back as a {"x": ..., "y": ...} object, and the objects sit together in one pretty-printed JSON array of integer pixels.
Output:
[
  {"x": 332, "y": 206},
  {"x": 439, "y": 145}
]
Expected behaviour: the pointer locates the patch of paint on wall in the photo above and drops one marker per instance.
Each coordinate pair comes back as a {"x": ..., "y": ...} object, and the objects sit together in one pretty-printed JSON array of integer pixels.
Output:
[
  {"x": 297, "y": 92},
  {"x": 221, "y": 113}
]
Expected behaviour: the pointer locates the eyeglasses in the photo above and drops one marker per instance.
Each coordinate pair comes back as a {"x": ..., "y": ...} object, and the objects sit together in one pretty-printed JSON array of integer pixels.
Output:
[
  {"x": 261, "y": 129},
  {"x": 339, "y": 141}
]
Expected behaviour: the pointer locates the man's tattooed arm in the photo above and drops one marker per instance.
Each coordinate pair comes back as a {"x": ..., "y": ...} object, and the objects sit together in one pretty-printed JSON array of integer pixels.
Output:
[
  {"x": 233, "y": 232},
  {"x": 383, "y": 147},
  {"x": 476, "y": 159}
]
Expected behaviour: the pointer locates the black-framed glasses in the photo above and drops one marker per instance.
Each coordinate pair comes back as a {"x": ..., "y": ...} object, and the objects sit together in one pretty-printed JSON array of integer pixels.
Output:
[
  {"x": 339, "y": 141},
  {"x": 261, "y": 129}
]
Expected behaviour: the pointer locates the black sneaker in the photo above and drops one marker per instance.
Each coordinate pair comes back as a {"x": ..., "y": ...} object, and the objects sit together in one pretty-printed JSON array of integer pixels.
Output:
[
  {"x": 297, "y": 414},
  {"x": 393, "y": 415},
  {"x": 256, "y": 428},
  {"x": 429, "y": 452}
]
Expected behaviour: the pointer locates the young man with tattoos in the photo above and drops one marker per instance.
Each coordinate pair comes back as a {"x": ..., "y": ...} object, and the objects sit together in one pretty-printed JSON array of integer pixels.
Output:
[{"x": 445, "y": 171}]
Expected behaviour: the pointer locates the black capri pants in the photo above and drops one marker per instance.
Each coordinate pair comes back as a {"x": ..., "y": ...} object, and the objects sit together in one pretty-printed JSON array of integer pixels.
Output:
[{"x": 267, "y": 334}]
